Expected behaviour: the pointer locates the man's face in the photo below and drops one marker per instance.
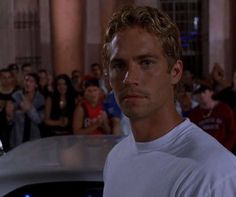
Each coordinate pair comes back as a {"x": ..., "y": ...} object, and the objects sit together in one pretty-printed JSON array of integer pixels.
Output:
[
  {"x": 75, "y": 75},
  {"x": 204, "y": 98},
  {"x": 92, "y": 94},
  {"x": 138, "y": 74},
  {"x": 6, "y": 79},
  {"x": 27, "y": 70},
  {"x": 96, "y": 72},
  {"x": 30, "y": 84}
]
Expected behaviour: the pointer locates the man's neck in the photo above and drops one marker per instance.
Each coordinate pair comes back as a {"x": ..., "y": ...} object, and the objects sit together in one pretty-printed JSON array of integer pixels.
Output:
[
  {"x": 210, "y": 105},
  {"x": 30, "y": 95},
  {"x": 149, "y": 129},
  {"x": 93, "y": 103}
]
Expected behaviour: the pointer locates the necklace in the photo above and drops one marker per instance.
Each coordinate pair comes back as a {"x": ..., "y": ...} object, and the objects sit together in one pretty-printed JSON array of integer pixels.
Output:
[
  {"x": 62, "y": 104},
  {"x": 208, "y": 114}
]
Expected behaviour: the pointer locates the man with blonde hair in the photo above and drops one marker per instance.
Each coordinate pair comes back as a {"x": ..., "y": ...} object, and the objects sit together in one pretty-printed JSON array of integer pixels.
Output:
[{"x": 165, "y": 155}]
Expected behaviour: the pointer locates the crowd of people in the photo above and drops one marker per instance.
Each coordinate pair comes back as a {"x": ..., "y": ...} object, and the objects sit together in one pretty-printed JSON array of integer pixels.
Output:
[
  {"x": 40, "y": 105},
  {"x": 36, "y": 104},
  {"x": 211, "y": 104}
]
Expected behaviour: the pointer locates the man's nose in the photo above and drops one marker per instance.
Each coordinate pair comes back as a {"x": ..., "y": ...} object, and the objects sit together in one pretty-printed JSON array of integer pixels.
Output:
[{"x": 132, "y": 75}]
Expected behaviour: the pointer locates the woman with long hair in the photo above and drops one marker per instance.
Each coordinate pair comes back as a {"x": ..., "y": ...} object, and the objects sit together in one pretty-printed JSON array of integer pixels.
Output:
[{"x": 59, "y": 107}]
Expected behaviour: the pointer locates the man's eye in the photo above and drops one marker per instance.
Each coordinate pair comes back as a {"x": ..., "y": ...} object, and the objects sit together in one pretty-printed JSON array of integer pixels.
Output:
[
  {"x": 117, "y": 66},
  {"x": 146, "y": 64}
]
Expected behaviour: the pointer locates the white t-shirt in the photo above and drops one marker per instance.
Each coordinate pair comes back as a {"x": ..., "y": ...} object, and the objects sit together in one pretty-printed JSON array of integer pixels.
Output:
[
  {"x": 125, "y": 125},
  {"x": 185, "y": 162}
]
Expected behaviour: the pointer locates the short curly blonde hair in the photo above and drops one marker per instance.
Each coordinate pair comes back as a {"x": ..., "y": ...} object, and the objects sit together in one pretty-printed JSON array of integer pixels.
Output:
[{"x": 150, "y": 19}]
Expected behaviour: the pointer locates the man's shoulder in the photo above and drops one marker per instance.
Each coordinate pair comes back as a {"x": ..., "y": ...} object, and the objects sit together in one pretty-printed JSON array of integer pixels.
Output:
[
  {"x": 194, "y": 143},
  {"x": 121, "y": 147},
  {"x": 209, "y": 164},
  {"x": 211, "y": 178}
]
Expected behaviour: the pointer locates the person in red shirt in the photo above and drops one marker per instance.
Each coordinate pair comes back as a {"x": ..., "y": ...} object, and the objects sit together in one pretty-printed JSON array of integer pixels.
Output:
[
  {"x": 89, "y": 116},
  {"x": 213, "y": 116}
]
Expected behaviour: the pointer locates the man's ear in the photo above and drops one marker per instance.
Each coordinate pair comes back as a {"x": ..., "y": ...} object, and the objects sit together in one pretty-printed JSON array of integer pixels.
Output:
[{"x": 176, "y": 72}]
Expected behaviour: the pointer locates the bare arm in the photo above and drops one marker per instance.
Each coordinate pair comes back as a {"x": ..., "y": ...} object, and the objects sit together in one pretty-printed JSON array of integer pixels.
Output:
[
  {"x": 104, "y": 123},
  {"x": 116, "y": 128},
  {"x": 78, "y": 120}
]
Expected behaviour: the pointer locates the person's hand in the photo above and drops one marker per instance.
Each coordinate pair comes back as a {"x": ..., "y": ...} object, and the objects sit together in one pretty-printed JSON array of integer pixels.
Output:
[
  {"x": 103, "y": 117},
  {"x": 96, "y": 122},
  {"x": 99, "y": 121},
  {"x": 63, "y": 121},
  {"x": 25, "y": 105},
  {"x": 104, "y": 122}
]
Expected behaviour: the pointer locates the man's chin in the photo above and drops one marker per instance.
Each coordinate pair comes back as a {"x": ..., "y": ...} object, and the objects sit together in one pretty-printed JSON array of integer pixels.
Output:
[{"x": 131, "y": 114}]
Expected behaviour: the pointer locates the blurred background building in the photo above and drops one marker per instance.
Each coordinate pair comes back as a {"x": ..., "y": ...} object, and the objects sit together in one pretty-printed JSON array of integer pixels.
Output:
[{"x": 63, "y": 35}]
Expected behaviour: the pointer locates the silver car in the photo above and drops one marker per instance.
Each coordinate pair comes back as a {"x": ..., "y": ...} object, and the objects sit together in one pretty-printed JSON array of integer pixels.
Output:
[{"x": 56, "y": 166}]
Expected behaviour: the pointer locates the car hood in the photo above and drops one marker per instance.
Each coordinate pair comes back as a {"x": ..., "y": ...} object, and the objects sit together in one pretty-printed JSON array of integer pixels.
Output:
[{"x": 62, "y": 158}]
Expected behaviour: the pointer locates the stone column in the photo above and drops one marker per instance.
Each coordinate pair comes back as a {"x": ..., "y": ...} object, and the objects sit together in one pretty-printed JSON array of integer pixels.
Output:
[
  {"x": 233, "y": 34},
  {"x": 107, "y": 9},
  {"x": 219, "y": 35},
  {"x": 67, "y": 27}
]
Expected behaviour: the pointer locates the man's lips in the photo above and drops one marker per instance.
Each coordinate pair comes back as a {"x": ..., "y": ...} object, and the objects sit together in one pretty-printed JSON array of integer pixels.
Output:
[{"x": 132, "y": 96}]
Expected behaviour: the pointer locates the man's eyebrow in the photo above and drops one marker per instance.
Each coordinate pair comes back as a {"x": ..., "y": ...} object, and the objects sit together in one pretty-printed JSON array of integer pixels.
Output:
[
  {"x": 116, "y": 60},
  {"x": 146, "y": 56},
  {"x": 138, "y": 57}
]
